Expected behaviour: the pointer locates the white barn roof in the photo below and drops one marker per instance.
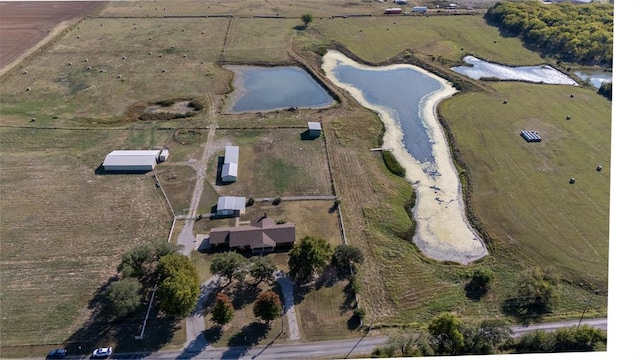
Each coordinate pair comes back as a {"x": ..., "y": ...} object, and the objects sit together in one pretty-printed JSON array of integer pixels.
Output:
[
  {"x": 229, "y": 169},
  {"x": 231, "y": 203},
  {"x": 130, "y": 158},
  {"x": 314, "y": 125},
  {"x": 231, "y": 154}
]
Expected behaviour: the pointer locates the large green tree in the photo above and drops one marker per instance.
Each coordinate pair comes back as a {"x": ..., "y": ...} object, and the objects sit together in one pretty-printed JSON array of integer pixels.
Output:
[
  {"x": 486, "y": 337},
  {"x": 535, "y": 294},
  {"x": 267, "y": 306},
  {"x": 222, "y": 311},
  {"x": 124, "y": 296},
  {"x": 345, "y": 257},
  {"x": 446, "y": 334},
  {"x": 306, "y": 19},
  {"x": 141, "y": 262},
  {"x": 178, "y": 285},
  {"x": 308, "y": 256},
  {"x": 229, "y": 265},
  {"x": 262, "y": 269},
  {"x": 405, "y": 345}
]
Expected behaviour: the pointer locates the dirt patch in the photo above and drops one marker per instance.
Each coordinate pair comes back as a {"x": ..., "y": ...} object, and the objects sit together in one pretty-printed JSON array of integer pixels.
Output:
[
  {"x": 164, "y": 110},
  {"x": 24, "y": 24}
]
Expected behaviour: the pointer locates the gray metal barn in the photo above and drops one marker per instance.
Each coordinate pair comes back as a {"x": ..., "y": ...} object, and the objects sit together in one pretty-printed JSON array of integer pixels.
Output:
[
  {"x": 231, "y": 205},
  {"x": 230, "y": 165},
  {"x": 314, "y": 129}
]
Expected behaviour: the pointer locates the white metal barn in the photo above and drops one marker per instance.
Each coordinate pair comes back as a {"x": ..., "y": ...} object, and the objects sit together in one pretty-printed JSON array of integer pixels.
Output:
[
  {"x": 230, "y": 165},
  {"x": 231, "y": 205},
  {"x": 131, "y": 160}
]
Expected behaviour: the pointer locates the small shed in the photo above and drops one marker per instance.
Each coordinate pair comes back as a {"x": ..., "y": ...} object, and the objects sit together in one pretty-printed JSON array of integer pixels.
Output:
[
  {"x": 229, "y": 171},
  {"x": 530, "y": 136},
  {"x": 164, "y": 155},
  {"x": 314, "y": 128},
  {"x": 231, "y": 205}
]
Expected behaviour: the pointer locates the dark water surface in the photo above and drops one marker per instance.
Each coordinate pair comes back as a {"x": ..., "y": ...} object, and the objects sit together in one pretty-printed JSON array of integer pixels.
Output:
[
  {"x": 402, "y": 91},
  {"x": 273, "y": 88}
]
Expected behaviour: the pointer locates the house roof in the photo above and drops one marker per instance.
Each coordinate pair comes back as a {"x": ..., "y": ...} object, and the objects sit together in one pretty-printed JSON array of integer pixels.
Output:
[
  {"x": 314, "y": 125},
  {"x": 262, "y": 232},
  {"x": 231, "y": 203},
  {"x": 231, "y": 154},
  {"x": 131, "y": 158}
]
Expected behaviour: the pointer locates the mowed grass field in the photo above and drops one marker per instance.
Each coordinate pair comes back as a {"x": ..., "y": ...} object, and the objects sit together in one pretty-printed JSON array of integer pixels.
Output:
[
  {"x": 522, "y": 190},
  {"x": 64, "y": 228},
  {"x": 57, "y": 214}
]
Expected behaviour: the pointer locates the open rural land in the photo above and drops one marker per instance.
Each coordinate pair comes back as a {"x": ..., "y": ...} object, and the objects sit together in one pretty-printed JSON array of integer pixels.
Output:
[{"x": 143, "y": 75}]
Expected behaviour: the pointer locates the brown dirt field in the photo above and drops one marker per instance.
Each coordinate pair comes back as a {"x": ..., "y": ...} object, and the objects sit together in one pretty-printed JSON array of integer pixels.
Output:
[{"x": 23, "y": 24}]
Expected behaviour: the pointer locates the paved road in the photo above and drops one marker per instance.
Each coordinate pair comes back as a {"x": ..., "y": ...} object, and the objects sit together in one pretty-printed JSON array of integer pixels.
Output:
[{"x": 324, "y": 349}]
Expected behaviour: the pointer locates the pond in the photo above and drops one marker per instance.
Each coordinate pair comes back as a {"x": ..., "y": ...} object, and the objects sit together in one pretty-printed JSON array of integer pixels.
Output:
[
  {"x": 273, "y": 88},
  {"x": 480, "y": 69},
  {"x": 595, "y": 78},
  {"x": 405, "y": 98}
]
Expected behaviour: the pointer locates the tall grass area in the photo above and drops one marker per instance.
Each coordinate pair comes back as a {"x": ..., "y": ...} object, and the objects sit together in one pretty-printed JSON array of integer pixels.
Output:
[{"x": 521, "y": 190}]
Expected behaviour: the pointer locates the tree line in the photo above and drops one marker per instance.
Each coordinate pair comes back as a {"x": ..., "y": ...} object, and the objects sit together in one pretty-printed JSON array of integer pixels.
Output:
[
  {"x": 580, "y": 34},
  {"x": 446, "y": 334}
]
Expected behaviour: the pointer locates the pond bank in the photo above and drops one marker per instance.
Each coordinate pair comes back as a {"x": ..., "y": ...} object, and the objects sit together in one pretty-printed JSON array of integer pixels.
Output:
[{"x": 442, "y": 230}]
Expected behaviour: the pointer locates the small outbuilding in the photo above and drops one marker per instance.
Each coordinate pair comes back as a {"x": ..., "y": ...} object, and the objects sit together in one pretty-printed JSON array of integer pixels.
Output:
[
  {"x": 131, "y": 161},
  {"x": 530, "y": 136},
  {"x": 231, "y": 205},
  {"x": 229, "y": 171},
  {"x": 314, "y": 129},
  {"x": 164, "y": 155}
]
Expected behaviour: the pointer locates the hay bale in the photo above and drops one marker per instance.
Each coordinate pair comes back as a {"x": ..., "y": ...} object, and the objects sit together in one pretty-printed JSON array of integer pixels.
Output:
[
  {"x": 572, "y": 181},
  {"x": 101, "y": 70},
  {"x": 568, "y": 117},
  {"x": 150, "y": 52},
  {"x": 160, "y": 55},
  {"x": 504, "y": 101},
  {"x": 184, "y": 55},
  {"x": 124, "y": 58},
  {"x": 119, "y": 77},
  {"x": 69, "y": 63},
  {"x": 28, "y": 88},
  {"x": 86, "y": 60},
  {"x": 33, "y": 119},
  {"x": 24, "y": 72},
  {"x": 78, "y": 37},
  {"x": 163, "y": 70},
  {"x": 571, "y": 95},
  {"x": 88, "y": 67}
]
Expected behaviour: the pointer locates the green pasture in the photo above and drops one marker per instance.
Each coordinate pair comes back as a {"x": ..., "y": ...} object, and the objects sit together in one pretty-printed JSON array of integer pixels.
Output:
[
  {"x": 376, "y": 39},
  {"x": 521, "y": 190}
]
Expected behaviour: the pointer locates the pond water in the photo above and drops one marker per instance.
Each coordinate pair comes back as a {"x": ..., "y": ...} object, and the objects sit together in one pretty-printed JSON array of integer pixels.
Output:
[
  {"x": 274, "y": 88},
  {"x": 402, "y": 91},
  {"x": 405, "y": 97},
  {"x": 483, "y": 69},
  {"x": 596, "y": 78}
]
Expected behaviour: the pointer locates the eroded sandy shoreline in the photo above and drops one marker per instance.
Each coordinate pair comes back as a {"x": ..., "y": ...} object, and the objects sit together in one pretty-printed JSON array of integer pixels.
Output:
[{"x": 442, "y": 230}]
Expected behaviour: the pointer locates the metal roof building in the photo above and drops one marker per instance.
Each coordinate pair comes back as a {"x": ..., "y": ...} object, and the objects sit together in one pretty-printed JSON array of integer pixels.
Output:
[
  {"x": 231, "y": 205},
  {"x": 230, "y": 165},
  {"x": 314, "y": 129},
  {"x": 131, "y": 160}
]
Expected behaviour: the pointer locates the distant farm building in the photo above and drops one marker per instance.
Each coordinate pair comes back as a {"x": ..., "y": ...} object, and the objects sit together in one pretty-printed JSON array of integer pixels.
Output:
[
  {"x": 131, "y": 160},
  {"x": 393, "y": 11},
  {"x": 164, "y": 155},
  {"x": 530, "y": 136},
  {"x": 315, "y": 129},
  {"x": 231, "y": 206},
  {"x": 230, "y": 164},
  {"x": 419, "y": 9},
  {"x": 262, "y": 235},
  {"x": 401, "y": 2}
]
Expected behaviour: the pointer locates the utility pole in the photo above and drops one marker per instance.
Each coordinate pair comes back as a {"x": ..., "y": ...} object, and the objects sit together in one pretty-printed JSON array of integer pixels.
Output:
[{"x": 585, "y": 308}]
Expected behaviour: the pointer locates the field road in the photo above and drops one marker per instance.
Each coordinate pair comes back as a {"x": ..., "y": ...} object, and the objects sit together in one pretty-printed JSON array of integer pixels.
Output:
[{"x": 323, "y": 349}]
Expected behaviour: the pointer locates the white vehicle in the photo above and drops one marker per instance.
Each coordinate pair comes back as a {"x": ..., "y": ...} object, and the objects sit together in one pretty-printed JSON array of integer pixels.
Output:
[{"x": 102, "y": 352}]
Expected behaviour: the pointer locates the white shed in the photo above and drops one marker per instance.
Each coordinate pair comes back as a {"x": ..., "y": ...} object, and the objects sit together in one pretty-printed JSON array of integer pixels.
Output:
[
  {"x": 230, "y": 165},
  {"x": 314, "y": 129},
  {"x": 131, "y": 160},
  {"x": 229, "y": 172},
  {"x": 164, "y": 155},
  {"x": 231, "y": 205}
]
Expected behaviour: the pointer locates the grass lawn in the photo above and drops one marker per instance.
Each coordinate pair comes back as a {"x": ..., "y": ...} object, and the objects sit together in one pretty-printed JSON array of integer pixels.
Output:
[
  {"x": 522, "y": 190},
  {"x": 377, "y": 38},
  {"x": 53, "y": 200},
  {"x": 273, "y": 162}
]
